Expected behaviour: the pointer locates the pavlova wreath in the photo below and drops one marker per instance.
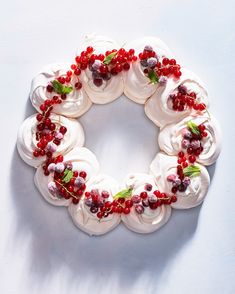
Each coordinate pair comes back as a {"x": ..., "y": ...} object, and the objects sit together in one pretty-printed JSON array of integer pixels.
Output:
[{"x": 174, "y": 98}]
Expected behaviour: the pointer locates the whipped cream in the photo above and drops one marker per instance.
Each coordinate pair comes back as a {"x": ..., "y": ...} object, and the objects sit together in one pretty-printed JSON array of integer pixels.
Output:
[
  {"x": 164, "y": 165},
  {"x": 82, "y": 159},
  {"x": 170, "y": 138},
  {"x": 111, "y": 89},
  {"x": 137, "y": 86},
  {"x": 77, "y": 101},
  {"x": 86, "y": 220},
  {"x": 27, "y": 143},
  {"x": 151, "y": 219},
  {"x": 158, "y": 107}
]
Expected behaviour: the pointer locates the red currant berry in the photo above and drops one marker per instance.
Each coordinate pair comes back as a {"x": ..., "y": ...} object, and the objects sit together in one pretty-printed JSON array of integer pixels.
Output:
[
  {"x": 39, "y": 117},
  {"x": 181, "y": 154},
  {"x": 126, "y": 66},
  {"x": 77, "y": 71},
  {"x": 173, "y": 198},
  {"x": 100, "y": 214},
  {"x": 126, "y": 210},
  {"x": 75, "y": 201},
  {"x": 89, "y": 49},
  {"x": 165, "y": 61},
  {"x": 63, "y": 130},
  {"x": 143, "y": 195},
  {"x": 83, "y": 174},
  {"x": 36, "y": 153},
  {"x": 49, "y": 88},
  {"x": 192, "y": 158},
  {"x": 128, "y": 203}
]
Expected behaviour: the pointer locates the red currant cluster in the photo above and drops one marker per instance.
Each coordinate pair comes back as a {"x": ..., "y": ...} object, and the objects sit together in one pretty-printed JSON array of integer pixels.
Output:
[
  {"x": 67, "y": 184},
  {"x": 179, "y": 181},
  {"x": 151, "y": 62},
  {"x": 151, "y": 199},
  {"x": 98, "y": 202},
  {"x": 103, "y": 67},
  {"x": 192, "y": 141},
  {"x": 183, "y": 99},
  {"x": 47, "y": 136},
  {"x": 65, "y": 80}
]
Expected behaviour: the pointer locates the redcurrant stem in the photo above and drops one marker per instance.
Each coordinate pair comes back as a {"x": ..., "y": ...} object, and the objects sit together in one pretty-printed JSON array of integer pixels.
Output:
[{"x": 66, "y": 189}]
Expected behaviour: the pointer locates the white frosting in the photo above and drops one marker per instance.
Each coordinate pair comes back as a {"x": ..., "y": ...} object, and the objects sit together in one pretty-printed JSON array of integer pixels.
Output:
[
  {"x": 77, "y": 101},
  {"x": 88, "y": 221},
  {"x": 27, "y": 143},
  {"x": 110, "y": 90},
  {"x": 170, "y": 138},
  {"x": 158, "y": 109},
  {"x": 151, "y": 219},
  {"x": 82, "y": 160},
  {"x": 164, "y": 165},
  {"x": 137, "y": 86}
]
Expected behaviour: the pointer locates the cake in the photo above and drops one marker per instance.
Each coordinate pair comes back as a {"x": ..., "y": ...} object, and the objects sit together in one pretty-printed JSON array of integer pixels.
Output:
[{"x": 68, "y": 174}]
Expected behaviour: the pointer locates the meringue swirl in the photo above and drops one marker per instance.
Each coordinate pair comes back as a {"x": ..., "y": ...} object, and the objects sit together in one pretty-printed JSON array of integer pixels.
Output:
[
  {"x": 76, "y": 103},
  {"x": 27, "y": 143},
  {"x": 87, "y": 221},
  {"x": 151, "y": 219},
  {"x": 81, "y": 158},
  {"x": 137, "y": 86},
  {"x": 164, "y": 165},
  {"x": 111, "y": 89},
  {"x": 170, "y": 138},
  {"x": 158, "y": 108}
]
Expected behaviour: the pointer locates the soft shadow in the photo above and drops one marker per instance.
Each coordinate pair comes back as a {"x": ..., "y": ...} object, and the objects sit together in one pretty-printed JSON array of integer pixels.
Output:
[
  {"x": 57, "y": 245},
  {"x": 211, "y": 171}
]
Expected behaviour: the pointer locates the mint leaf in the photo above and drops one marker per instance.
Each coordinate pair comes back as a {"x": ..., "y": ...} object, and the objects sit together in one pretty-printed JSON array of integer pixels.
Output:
[
  {"x": 153, "y": 77},
  {"x": 68, "y": 174},
  {"x": 109, "y": 58},
  {"x": 67, "y": 89},
  {"x": 192, "y": 171},
  {"x": 60, "y": 89},
  {"x": 123, "y": 194},
  {"x": 193, "y": 128}
]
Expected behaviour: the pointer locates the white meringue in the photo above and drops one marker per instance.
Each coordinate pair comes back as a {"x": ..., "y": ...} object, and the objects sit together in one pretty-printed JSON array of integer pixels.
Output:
[
  {"x": 86, "y": 220},
  {"x": 151, "y": 219},
  {"x": 158, "y": 108},
  {"x": 27, "y": 143},
  {"x": 164, "y": 165},
  {"x": 77, "y": 101},
  {"x": 170, "y": 138},
  {"x": 111, "y": 89},
  {"x": 137, "y": 86},
  {"x": 82, "y": 159}
]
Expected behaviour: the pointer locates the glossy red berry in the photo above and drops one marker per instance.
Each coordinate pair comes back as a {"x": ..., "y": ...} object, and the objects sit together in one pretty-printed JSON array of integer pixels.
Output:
[
  {"x": 63, "y": 130},
  {"x": 83, "y": 174},
  {"x": 192, "y": 158}
]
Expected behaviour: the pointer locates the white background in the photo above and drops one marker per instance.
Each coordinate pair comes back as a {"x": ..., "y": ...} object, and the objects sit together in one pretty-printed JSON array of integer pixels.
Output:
[{"x": 40, "y": 249}]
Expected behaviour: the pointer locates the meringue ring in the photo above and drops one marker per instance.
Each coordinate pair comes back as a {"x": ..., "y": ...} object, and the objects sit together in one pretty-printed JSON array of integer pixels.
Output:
[
  {"x": 27, "y": 143},
  {"x": 173, "y": 98}
]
